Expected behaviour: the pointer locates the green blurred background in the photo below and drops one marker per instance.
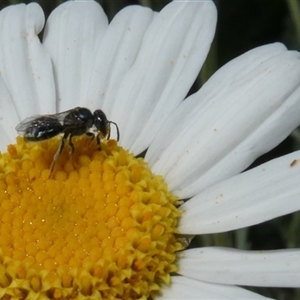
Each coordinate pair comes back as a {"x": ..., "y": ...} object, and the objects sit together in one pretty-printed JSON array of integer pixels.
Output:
[{"x": 242, "y": 25}]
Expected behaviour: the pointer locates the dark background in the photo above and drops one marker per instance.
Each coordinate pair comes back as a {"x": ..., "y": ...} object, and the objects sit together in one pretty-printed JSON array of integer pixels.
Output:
[{"x": 242, "y": 25}]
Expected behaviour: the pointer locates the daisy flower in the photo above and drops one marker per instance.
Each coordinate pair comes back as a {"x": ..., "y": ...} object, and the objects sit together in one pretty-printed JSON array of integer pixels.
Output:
[{"x": 110, "y": 224}]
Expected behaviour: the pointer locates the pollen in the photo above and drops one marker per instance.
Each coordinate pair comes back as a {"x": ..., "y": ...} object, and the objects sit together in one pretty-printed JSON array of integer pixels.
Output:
[{"x": 100, "y": 226}]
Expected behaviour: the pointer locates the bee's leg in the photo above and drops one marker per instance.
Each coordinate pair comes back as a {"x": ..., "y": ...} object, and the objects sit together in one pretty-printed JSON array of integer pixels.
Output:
[
  {"x": 71, "y": 145},
  {"x": 58, "y": 152},
  {"x": 98, "y": 141},
  {"x": 90, "y": 135},
  {"x": 72, "y": 150},
  {"x": 108, "y": 133}
]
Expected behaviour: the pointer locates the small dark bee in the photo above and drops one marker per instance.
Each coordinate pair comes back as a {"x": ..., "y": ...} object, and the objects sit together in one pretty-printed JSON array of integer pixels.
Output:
[{"x": 73, "y": 122}]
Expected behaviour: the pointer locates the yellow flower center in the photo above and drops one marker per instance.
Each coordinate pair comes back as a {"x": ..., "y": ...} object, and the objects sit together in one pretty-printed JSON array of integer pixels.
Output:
[{"x": 101, "y": 226}]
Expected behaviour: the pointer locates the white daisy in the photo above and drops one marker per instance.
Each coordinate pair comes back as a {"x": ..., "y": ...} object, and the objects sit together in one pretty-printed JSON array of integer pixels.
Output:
[{"x": 138, "y": 69}]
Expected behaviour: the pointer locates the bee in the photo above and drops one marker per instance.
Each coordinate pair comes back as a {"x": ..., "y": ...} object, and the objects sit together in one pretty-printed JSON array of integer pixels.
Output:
[{"x": 73, "y": 122}]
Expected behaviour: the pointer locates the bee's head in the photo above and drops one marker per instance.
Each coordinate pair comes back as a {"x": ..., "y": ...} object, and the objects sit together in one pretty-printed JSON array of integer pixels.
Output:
[{"x": 103, "y": 125}]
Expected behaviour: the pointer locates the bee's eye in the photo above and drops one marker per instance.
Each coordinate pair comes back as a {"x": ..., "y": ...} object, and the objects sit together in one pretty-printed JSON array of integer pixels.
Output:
[{"x": 101, "y": 122}]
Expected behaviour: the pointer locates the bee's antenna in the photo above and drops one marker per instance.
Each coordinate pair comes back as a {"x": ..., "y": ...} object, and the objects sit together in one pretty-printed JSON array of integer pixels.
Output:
[{"x": 118, "y": 132}]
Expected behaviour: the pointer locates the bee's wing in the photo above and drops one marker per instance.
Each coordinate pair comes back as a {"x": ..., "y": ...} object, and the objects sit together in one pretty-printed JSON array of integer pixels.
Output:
[
  {"x": 36, "y": 120},
  {"x": 61, "y": 116},
  {"x": 22, "y": 126}
]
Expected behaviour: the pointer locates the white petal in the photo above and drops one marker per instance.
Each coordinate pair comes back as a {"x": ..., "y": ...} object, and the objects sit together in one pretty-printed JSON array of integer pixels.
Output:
[
  {"x": 280, "y": 268},
  {"x": 186, "y": 288},
  {"x": 260, "y": 194},
  {"x": 247, "y": 108},
  {"x": 24, "y": 64},
  {"x": 115, "y": 56},
  {"x": 8, "y": 117},
  {"x": 171, "y": 55},
  {"x": 72, "y": 34}
]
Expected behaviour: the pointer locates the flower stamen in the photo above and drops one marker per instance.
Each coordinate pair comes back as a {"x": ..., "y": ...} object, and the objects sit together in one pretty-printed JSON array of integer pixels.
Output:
[{"x": 104, "y": 227}]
